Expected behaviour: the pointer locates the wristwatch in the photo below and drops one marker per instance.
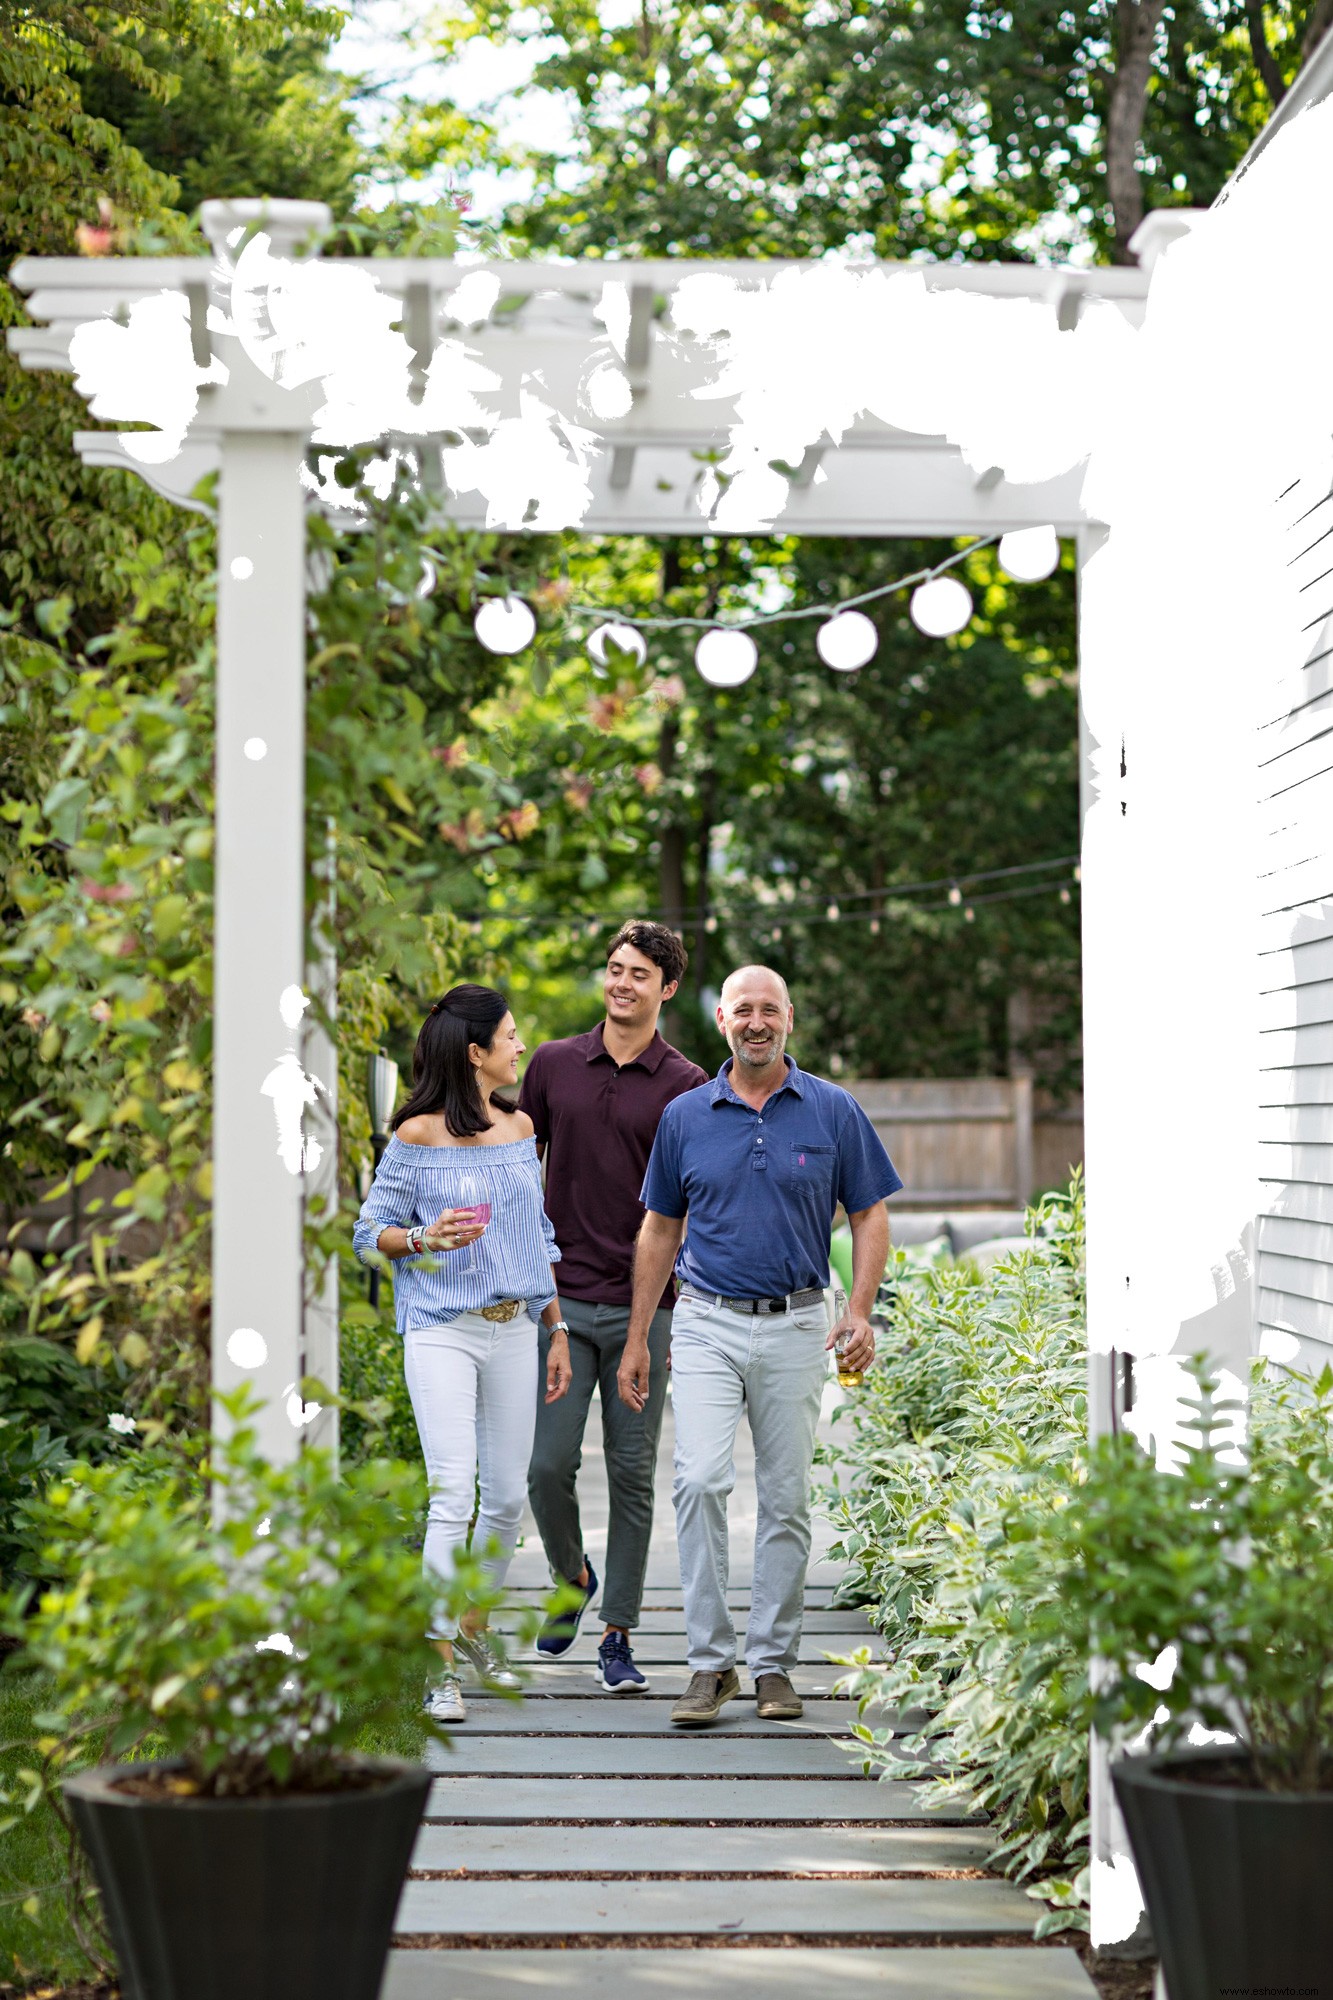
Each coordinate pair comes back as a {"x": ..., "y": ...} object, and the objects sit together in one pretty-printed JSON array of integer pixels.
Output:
[{"x": 558, "y": 1326}]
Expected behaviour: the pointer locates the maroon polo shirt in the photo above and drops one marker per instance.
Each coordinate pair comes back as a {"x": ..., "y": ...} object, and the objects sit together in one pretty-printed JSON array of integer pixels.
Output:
[{"x": 597, "y": 1119}]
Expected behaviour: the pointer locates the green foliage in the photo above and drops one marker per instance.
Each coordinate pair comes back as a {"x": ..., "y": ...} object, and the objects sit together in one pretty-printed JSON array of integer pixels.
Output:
[
  {"x": 1206, "y": 1586},
  {"x": 53, "y": 1407},
  {"x": 243, "y": 120},
  {"x": 967, "y": 1436},
  {"x": 106, "y": 841},
  {"x": 376, "y": 1410},
  {"x": 937, "y": 127},
  {"x": 233, "y": 1647}
]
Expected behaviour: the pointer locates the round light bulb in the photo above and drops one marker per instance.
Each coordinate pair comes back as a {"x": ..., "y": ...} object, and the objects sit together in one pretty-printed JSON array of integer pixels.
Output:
[
  {"x": 625, "y": 638},
  {"x": 847, "y": 641},
  {"x": 504, "y": 625},
  {"x": 609, "y": 393},
  {"x": 725, "y": 657},
  {"x": 941, "y": 606},
  {"x": 1029, "y": 554}
]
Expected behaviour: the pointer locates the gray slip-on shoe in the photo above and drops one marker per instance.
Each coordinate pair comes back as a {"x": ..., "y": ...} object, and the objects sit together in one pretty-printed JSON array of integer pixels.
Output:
[
  {"x": 703, "y": 1698},
  {"x": 776, "y": 1698}
]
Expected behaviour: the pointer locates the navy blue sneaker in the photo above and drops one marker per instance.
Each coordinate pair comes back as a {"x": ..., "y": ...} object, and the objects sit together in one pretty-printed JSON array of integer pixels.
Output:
[
  {"x": 616, "y": 1671},
  {"x": 559, "y": 1633}
]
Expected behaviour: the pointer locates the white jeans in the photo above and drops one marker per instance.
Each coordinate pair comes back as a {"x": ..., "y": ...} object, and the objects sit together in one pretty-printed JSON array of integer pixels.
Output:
[
  {"x": 774, "y": 1369},
  {"x": 473, "y": 1385}
]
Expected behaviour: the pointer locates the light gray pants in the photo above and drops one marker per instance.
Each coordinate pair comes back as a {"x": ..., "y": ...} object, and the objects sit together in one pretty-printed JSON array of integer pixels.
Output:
[{"x": 775, "y": 1369}]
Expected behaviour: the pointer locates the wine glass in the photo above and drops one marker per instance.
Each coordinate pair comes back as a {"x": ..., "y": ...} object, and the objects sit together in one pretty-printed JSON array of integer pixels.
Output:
[{"x": 471, "y": 1188}]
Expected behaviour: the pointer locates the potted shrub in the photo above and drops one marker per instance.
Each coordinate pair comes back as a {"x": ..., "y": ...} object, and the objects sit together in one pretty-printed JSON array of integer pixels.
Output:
[
  {"x": 1206, "y": 1593},
  {"x": 213, "y": 1660}
]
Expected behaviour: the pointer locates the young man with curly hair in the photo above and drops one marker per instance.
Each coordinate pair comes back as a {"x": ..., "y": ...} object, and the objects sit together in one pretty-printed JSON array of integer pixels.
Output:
[{"x": 595, "y": 1102}]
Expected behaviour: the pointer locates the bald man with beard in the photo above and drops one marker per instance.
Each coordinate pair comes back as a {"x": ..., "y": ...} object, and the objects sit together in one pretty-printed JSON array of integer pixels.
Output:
[{"x": 756, "y": 1162}]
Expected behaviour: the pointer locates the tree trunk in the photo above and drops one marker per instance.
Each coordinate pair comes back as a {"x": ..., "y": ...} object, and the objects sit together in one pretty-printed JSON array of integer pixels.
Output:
[
  {"x": 703, "y": 847},
  {"x": 1318, "y": 25},
  {"x": 1136, "y": 28},
  {"x": 1264, "y": 60},
  {"x": 671, "y": 856}
]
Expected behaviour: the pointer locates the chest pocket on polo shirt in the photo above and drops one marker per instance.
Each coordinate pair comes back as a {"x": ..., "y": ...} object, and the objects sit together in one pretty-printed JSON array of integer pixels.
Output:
[{"x": 810, "y": 1170}]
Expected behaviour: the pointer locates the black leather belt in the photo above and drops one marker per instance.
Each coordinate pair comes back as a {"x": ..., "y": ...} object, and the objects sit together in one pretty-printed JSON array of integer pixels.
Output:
[{"x": 789, "y": 1304}]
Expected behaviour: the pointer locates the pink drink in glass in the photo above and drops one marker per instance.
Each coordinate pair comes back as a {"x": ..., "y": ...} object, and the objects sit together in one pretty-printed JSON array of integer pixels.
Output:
[{"x": 481, "y": 1214}]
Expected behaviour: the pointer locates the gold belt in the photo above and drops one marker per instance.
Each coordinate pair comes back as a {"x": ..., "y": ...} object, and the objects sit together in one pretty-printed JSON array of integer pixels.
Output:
[{"x": 506, "y": 1309}]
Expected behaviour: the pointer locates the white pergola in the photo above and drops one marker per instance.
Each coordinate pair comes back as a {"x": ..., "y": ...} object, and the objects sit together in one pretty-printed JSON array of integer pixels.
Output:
[
  {"x": 538, "y": 330},
  {"x": 1167, "y": 755}
]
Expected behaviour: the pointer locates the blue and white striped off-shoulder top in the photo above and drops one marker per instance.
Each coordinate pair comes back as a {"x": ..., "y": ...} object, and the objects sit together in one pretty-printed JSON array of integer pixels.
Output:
[{"x": 514, "y": 1256}]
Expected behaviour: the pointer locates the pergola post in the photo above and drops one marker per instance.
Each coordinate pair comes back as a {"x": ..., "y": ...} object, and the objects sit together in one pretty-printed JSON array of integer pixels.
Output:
[{"x": 259, "y": 951}]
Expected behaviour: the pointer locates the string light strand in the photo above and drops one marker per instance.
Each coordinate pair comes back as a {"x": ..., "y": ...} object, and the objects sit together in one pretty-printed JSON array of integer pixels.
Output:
[{"x": 763, "y": 618}]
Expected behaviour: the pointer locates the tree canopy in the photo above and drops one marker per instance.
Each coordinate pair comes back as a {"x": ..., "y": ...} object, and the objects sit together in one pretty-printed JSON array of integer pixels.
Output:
[{"x": 498, "y": 816}]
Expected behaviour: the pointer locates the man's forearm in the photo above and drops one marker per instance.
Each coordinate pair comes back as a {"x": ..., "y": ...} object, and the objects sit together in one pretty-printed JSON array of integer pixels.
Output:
[
  {"x": 655, "y": 1254},
  {"x": 870, "y": 1253}
]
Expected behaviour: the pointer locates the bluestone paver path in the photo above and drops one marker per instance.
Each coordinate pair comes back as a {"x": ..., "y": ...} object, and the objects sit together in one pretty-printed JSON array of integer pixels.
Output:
[{"x": 577, "y": 1847}]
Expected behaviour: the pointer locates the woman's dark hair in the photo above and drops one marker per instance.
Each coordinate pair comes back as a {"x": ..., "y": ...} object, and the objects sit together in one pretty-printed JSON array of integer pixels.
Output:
[{"x": 443, "y": 1079}]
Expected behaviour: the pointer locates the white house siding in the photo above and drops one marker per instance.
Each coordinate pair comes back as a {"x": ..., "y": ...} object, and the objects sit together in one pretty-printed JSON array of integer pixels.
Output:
[{"x": 1295, "y": 1231}]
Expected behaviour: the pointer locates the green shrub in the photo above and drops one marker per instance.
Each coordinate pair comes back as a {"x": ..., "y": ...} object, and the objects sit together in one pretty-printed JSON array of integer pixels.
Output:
[
  {"x": 1207, "y": 1589},
  {"x": 968, "y": 1433},
  {"x": 376, "y": 1415},
  {"x": 235, "y": 1645},
  {"x": 53, "y": 1408}
]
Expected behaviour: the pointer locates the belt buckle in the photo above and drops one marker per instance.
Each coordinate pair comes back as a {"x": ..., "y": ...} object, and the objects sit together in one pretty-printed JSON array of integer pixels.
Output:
[{"x": 507, "y": 1309}]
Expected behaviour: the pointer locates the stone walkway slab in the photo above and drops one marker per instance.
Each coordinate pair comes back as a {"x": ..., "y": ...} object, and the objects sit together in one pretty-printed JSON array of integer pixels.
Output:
[
  {"x": 626, "y": 1715},
  {"x": 961, "y": 1973},
  {"x": 667, "y": 1649},
  {"x": 743, "y": 1832},
  {"x": 715, "y": 1850},
  {"x": 664, "y": 1618},
  {"x": 809, "y": 1756},
  {"x": 667, "y": 1596},
  {"x": 580, "y": 1678},
  {"x": 528, "y": 1801},
  {"x": 847, "y": 1907}
]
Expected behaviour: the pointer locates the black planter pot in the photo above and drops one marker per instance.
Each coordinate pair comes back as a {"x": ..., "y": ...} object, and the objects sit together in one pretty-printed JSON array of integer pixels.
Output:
[
  {"x": 250, "y": 1899},
  {"x": 1236, "y": 1881}
]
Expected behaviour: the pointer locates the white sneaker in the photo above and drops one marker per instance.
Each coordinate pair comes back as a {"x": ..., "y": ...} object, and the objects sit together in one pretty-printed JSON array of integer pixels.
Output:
[{"x": 443, "y": 1700}]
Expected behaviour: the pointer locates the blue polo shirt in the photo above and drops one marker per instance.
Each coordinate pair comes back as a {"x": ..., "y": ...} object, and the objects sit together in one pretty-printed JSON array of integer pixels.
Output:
[{"x": 761, "y": 1188}]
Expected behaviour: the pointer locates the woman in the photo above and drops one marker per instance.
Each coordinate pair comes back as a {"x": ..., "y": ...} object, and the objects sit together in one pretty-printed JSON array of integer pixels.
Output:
[{"x": 459, "y": 1184}]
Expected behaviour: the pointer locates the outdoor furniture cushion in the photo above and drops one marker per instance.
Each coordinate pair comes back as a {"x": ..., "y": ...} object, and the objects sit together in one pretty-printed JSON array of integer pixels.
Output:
[
  {"x": 908, "y": 1227},
  {"x": 990, "y": 1252},
  {"x": 982, "y": 1225},
  {"x": 936, "y": 1251}
]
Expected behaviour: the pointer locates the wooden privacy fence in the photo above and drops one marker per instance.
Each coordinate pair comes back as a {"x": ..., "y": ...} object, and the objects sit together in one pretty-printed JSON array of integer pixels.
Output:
[{"x": 972, "y": 1142}]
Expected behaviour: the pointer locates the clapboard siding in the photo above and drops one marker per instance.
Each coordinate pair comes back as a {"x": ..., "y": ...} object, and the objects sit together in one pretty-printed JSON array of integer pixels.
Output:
[
  {"x": 1296, "y": 965},
  {"x": 1295, "y": 989},
  {"x": 1296, "y": 1236},
  {"x": 1297, "y": 1006},
  {"x": 1297, "y": 763},
  {"x": 1309, "y": 1201},
  {"x": 1296, "y": 1124},
  {"x": 1312, "y": 1322},
  {"x": 1305, "y": 921},
  {"x": 1311, "y": 1085},
  {"x": 1299, "y": 1277}
]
